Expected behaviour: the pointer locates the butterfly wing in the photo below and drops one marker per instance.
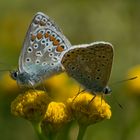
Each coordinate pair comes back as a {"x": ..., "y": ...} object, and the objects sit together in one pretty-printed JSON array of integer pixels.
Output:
[
  {"x": 90, "y": 64},
  {"x": 43, "y": 47}
]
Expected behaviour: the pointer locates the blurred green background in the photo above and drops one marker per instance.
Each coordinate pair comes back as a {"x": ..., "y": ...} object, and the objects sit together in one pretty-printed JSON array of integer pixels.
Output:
[{"x": 82, "y": 21}]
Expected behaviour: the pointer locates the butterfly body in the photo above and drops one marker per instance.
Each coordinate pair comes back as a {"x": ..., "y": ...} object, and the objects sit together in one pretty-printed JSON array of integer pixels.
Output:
[
  {"x": 90, "y": 65},
  {"x": 42, "y": 50}
]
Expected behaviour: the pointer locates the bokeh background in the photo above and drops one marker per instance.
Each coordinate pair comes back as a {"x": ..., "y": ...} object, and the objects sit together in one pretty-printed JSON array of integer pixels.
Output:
[{"x": 82, "y": 21}]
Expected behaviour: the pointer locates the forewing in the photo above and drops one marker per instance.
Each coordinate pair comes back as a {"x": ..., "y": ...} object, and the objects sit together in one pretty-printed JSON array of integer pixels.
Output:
[
  {"x": 43, "y": 47},
  {"x": 90, "y": 64}
]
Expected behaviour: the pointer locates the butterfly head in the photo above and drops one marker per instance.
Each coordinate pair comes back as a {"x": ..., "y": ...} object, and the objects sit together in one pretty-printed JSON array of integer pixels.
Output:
[
  {"x": 14, "y": 74},
  {"x": 107, "y": 90},
  {"x": 23, "y": 78}
]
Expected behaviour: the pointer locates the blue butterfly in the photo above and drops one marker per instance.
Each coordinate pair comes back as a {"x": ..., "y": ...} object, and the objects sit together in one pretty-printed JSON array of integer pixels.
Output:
[{"x": 42, "y": 51}]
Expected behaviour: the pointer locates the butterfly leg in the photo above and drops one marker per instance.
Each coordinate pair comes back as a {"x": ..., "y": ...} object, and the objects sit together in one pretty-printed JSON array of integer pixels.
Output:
[
  {"x": 79, "y": 92},
  {"x": 92, "y": 99},
  {"x": 21, "y": 87},
  {"x": 32, "y": 86},
  {"x": 116, "y": 101},
  {"x": 43, "y": 85},
  {"x": 102, "y": 97}
]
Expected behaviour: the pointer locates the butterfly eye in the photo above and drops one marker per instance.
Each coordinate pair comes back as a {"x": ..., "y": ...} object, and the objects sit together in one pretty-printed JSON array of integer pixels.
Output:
[
  {"x": 14, "y": 74},
  {"x": 107, "y": 90}
]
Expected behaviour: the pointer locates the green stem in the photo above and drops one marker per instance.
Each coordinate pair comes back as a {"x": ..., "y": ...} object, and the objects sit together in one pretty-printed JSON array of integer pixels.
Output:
[
  {"x": 82, "y": 130},
  {"x": 38, "y": 131}
]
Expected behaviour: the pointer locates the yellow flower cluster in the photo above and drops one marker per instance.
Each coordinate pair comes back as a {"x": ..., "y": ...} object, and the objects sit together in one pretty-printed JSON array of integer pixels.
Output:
[
  {"x": 88, "y": 111},
  {"x": 36, "y": 107},
  {"x": 32, "y": 105},
  {"x": 57, "y": 115}
]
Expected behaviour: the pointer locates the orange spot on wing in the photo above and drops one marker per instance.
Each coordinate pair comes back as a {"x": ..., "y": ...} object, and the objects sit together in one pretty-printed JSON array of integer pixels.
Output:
[
  {"x": 46, "y": 35},
  {"x": 33, "y": 37},
  {"x": 52, "y": 38},
  {"x": 39, "y": 35},
  {"x": 60, "y": 48},
  {"x": 55, "y": 42}
]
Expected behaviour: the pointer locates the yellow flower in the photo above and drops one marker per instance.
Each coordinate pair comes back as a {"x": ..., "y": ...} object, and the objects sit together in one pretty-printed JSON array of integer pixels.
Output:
[
  {"x": 32, "y": 105},
  {"x": 133, "y": 86},
  {"x": 88, "y": 112},
  {"x": 7, "y": 84},
  {"x": 57, "y": 115},
  {"x": 63, "y": 85}
]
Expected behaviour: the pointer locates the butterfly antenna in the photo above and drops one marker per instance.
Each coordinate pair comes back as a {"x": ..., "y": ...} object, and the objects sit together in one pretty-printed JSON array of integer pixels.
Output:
[
  {"x": 2, "y": 63},
  {"x": 114, "y": 97},
  {"x": 1, "y": 70},
  {"x": 125, "y": 80},
  {"x": 5, "y": 69},
  {"x": 118, "y": 82}
]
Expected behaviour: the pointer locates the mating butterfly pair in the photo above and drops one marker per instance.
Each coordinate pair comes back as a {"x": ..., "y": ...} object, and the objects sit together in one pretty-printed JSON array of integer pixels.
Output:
[{"x": 46, "y": 51}]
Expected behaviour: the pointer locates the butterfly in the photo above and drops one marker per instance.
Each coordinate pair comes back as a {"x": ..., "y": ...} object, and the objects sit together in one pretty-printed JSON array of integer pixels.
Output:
[
  {"x": 42, "y": 50},
  {"x": 90, "y": 65}
]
